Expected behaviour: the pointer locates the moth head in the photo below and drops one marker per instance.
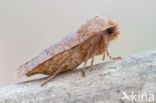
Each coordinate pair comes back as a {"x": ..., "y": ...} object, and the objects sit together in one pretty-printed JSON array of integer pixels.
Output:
[
  {"x": 98, "y": 25},
  {"x": 111, "y": 31}
]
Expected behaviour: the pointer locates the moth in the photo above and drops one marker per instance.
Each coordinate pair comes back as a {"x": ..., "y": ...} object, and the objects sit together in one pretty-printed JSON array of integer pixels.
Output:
[{"x": 90, "y": 40}]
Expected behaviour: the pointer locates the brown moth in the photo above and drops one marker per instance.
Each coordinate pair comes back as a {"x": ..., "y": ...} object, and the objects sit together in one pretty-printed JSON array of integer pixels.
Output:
[{"x": 90, "y": 40}]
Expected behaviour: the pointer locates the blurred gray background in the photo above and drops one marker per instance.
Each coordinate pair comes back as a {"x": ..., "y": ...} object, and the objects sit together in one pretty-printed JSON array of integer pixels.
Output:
[{"x": 29, "y": 26}]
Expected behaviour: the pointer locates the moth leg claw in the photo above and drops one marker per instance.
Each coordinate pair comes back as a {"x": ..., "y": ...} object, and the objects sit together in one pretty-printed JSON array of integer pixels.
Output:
[{"x": 83, "y": 73}]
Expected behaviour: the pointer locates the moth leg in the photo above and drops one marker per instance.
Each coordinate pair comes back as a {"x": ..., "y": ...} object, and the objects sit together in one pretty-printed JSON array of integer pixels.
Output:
[
  {"x": 95, "y": 47},
  {"x": 92, "y": 61},
  {"x": 83, "y": 69},
  {"x": 55, "y": 73},
  {"x": 114, "y": 58},
  {"x": 103, "y": 58},
  {"x": 51, "y": 77}
]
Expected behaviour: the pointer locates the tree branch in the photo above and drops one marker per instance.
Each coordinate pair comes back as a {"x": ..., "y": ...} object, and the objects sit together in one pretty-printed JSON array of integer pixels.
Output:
[{"x": 104, "y": 83}]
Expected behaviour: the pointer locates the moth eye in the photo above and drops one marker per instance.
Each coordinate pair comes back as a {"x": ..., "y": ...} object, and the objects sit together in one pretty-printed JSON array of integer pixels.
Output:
[{"x": 110, "y": 30}]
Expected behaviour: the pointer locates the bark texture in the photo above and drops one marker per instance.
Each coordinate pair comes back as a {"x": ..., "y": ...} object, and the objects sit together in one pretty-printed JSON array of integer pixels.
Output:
[{"x": 104, "y": 83}]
